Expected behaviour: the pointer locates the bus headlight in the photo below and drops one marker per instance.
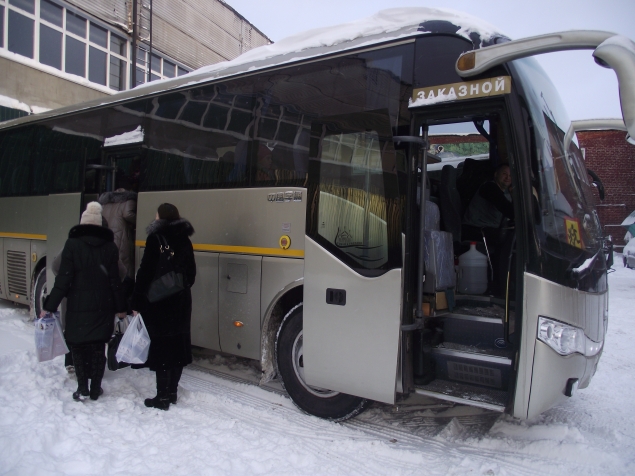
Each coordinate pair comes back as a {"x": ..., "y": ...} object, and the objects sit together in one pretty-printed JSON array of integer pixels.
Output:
[{"x": 566, "y": 339}]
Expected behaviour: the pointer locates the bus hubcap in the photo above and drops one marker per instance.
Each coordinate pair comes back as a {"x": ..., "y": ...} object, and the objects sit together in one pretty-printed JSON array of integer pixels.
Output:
[{"x": 298, "y": 367}]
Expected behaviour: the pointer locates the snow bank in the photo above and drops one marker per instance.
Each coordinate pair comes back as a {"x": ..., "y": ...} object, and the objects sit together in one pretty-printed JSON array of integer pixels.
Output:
[{"x": 222, "y": 427}]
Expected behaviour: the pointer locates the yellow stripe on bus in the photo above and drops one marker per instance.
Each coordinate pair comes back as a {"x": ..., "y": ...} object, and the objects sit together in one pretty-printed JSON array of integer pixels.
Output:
[
  {"x": 249, "y": 250},
  {"x": 25, "y": 236}
]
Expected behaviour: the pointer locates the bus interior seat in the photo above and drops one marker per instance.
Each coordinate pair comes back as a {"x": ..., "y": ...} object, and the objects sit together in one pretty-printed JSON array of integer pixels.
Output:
[
  {"x": 474, "y": 174},
  {"x": 450, "y": 202},
  {"x": 439, "y": 253}
]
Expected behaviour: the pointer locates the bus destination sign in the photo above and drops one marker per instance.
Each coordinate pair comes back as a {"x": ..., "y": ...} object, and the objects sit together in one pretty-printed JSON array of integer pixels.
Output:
[{"x": 457, "y": 91}]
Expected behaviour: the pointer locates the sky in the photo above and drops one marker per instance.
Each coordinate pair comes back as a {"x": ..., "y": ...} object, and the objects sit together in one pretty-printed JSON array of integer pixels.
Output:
[{"x": 587, "y": 90}]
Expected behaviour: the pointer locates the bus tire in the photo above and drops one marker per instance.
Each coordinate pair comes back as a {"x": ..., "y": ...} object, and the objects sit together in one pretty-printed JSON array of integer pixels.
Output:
[
  {"x": 319, "y": 402},
  {"x": 38, "y": 292}
]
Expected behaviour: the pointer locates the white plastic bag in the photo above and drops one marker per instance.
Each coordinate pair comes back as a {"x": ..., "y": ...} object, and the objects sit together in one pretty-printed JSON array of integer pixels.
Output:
[
  {"x": 135, "y": 343},
  {"x": 49, "y": 340}
]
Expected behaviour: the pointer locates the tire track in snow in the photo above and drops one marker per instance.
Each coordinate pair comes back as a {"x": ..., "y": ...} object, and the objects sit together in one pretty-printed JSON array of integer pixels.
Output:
[{"x": 398, "y": 434}]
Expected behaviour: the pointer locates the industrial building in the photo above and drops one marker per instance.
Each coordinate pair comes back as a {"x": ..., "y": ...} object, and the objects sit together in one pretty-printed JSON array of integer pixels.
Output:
[{"x": 55, "y": 53}]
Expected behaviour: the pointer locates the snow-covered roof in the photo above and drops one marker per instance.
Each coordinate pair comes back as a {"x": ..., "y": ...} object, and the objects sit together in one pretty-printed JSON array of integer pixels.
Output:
[{"x": 384, "y": 26}]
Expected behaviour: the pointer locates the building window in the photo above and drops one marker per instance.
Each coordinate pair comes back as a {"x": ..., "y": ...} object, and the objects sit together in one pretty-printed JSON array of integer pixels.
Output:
[
  {"x": 1, "y": 26},
  {"x": 51, "y": 13},
  {"x": 50, "y": 46},
  {"x": 58, "y": 37},
  {"x": 20, "y": 34},
  {"x": 160, "y": 68},
  {"x": 75, "y": 24},
  {"x": 26, "y": 5},
  {"x": 75, "y": 57},
  {"x": 98, "y": 35},
  {"x": 168, "y": 69},
  {"x": 97, "y": 66}
]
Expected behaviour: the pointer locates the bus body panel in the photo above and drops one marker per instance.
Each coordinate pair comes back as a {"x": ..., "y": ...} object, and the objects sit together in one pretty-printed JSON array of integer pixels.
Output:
[
  {"x": 550, "y": 374},
  {"x": 351, "y": 348},
  {"x": 25, "y": 216},
  {"x": 239, "y": 304},
  {"x": 23, "y": 232},
  {"x": 535, "y": 390},
  {"x": 277, "y": 275},
  {"x": 233, "y": 220},
  {"x": 63, "y": 213},
  {"x": 204, "y": 329},
  {"x": 234, "y": 229}
]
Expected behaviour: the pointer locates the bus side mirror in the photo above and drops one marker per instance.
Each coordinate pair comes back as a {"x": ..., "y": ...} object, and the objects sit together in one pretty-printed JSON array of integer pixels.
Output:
[
  {"x": 618, "y": 53},
  {"x": 597, "y": 182}
]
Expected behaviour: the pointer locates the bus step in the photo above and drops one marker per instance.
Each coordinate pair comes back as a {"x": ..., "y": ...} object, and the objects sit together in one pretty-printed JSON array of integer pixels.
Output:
[
  {"x": 474, "y": 366},
  {"x": 473, "y": 330},
  {"x": 465, "y": 394}
]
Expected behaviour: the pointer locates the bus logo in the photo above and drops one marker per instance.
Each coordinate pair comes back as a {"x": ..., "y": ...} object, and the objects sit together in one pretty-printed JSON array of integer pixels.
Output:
[{"x": 289, "y": 196}]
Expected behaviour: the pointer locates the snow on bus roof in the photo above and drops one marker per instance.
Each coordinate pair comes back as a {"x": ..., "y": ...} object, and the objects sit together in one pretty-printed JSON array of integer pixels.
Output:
[
  {"x": 383, "y": 22},
  {"x": 385, "y": 25}
]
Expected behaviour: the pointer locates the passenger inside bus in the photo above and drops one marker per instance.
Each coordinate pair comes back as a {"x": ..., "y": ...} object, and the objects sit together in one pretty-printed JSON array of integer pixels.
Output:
[
  {"x": 489, "y": 215},
  {"x": 473, "y": 194}
]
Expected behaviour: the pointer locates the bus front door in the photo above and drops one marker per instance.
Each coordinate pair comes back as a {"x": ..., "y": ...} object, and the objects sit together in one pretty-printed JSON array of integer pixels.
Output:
[{"x": 352, "y": 267}]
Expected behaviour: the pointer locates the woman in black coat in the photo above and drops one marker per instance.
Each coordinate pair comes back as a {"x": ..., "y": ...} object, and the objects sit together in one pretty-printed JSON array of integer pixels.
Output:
[
  {"x": 168, "y": 321},
  {"x": 89, "y": 278}
]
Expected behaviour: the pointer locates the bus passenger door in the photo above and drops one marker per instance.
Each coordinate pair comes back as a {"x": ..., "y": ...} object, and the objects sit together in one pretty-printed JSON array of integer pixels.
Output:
[
  {"x": 64, "y": 212},
  {"x": 352, "y": 267}
]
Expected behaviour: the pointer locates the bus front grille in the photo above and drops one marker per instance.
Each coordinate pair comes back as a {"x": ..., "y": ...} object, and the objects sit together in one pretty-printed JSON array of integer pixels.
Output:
[{"x": 16, "y": 272}]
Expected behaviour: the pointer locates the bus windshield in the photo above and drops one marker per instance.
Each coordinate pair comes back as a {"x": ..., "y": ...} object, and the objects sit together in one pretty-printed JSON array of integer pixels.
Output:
[{"x": 560, "y": 181}]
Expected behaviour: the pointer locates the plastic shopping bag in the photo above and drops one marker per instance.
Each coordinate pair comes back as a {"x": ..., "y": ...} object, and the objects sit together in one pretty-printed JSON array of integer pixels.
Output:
[
  {"x": 135, "y": 343},
  {"x": 113, "y": 345},
  {"x": 49, "y": 340}
]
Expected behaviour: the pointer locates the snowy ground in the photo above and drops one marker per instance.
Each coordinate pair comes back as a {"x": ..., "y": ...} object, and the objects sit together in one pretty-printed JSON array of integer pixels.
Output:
[{"x": 222, "y": 426}]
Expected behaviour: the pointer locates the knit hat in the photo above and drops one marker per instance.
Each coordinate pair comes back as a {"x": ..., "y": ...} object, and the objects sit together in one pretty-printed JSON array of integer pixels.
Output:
[
  {"x": 169, "y": 212},
  {"x": 92, "y": 215}
]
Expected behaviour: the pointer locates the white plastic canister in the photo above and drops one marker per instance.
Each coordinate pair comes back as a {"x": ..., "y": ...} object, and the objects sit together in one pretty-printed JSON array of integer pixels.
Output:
[{"x": 472, "y": 271}]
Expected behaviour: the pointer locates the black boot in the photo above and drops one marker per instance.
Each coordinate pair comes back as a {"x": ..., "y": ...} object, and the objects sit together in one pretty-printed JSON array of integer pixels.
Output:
[
  {"x": 98, "y": 367},
  {"x": 175, "y": 376},
  {"x": 162, "y": 400},
  {"x": 80, "y": 371}
]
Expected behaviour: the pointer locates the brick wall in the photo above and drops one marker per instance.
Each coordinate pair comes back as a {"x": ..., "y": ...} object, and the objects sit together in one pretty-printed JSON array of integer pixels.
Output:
[{"x": 613, "y": 159}]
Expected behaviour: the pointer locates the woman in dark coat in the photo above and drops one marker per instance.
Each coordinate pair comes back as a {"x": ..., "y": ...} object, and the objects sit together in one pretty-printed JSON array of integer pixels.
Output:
[
  {"x": 89, "y": 278},
  {"x": 167, "y": 321}
]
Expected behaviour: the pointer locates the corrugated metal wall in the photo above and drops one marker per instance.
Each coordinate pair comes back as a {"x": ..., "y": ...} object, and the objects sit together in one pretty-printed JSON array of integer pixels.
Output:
[
  {"x": 7, "y": 113},
  {"x": 194, "y": 32},
  {"x": 113, "y": 11}
]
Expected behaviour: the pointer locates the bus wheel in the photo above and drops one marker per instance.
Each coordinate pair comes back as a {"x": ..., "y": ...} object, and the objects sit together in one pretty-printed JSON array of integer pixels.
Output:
[
  {"x": 39, "y": 292},
  {"x": 316, "y": 401}
]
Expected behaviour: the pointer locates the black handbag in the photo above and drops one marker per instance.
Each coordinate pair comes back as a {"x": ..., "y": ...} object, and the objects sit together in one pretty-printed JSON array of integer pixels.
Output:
[
  {"x": 113, "y": 345},
  {"x": 167, "y": 281}
]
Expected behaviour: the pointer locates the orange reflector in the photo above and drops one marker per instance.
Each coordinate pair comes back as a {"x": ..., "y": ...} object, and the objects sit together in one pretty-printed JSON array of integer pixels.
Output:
[
  {"x": 238, "y": 324},
  {"x": 466, "y": 61}
]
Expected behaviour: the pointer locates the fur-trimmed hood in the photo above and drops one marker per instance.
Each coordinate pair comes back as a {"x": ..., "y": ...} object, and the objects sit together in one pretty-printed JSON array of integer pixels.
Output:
[
  {"x": 117, "y": 197},
  {"x": 92, "y": 234},
  {"x": 171, "y": 228}
]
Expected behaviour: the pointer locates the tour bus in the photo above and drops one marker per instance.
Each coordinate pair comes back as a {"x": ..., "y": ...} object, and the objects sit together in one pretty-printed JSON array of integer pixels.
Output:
[{"x": 326, "y": 177}]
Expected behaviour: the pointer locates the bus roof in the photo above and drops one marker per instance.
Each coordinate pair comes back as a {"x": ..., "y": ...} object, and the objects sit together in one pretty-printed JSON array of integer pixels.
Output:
[{"x": 385, "y": 26}]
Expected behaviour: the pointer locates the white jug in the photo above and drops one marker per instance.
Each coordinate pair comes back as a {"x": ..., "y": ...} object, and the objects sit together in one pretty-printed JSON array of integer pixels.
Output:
[{"x": 472, "y": 271}]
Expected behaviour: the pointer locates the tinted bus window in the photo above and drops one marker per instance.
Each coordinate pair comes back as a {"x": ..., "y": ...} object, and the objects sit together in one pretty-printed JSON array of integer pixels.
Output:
[
  {"x": 59, "y": 160},
  {"x": 15, "y": 161}
]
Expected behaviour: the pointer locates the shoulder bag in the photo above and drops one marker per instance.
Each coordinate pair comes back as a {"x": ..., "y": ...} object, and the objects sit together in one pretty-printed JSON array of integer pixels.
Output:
[{"x": 167, "y": 280}]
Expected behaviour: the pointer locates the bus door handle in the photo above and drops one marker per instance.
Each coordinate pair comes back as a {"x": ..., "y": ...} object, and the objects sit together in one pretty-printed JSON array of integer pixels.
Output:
[{"x": 336, "y": 296}]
